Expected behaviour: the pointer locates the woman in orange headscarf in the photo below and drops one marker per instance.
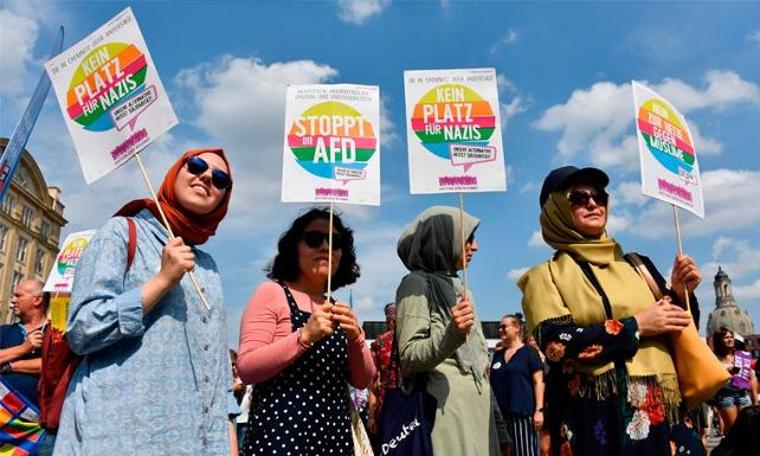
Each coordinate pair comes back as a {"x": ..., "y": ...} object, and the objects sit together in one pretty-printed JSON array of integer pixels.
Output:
[{"x": 155, "y": 377}]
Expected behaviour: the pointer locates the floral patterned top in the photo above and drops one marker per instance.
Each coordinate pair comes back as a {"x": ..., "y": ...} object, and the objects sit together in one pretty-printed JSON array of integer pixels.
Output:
[
  {"x": 626, "y": 415},
  {"x": 382, "y": 349}
]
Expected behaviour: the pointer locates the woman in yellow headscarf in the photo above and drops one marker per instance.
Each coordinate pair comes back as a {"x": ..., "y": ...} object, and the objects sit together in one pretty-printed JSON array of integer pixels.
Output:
[{"x": 612, "y": 388}]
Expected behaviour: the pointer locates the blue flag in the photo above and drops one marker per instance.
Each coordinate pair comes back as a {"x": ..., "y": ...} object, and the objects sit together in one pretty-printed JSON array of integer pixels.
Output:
[{"x": 12, "y": 154}]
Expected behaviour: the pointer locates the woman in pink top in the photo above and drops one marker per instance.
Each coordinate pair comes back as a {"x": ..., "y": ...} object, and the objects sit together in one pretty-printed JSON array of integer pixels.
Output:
[{"x": 300, "y": 351}]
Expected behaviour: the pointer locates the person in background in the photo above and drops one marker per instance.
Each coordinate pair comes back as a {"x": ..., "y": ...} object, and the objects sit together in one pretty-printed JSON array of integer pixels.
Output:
[
  {"x": 20, "y": 367},
  {"x": 517, "y": 380},
  {"x": 612, "y": 388},
  {"x": 439, "y": 335},
  {"x": 544, "y": 440},
  {"x": 300, "y": 350},
  {"x": 386, "y": 378},
  {"x": 744, "y": 437},
  {"x": 155, "y": 378},
  {"x": 737, "y": 393}
]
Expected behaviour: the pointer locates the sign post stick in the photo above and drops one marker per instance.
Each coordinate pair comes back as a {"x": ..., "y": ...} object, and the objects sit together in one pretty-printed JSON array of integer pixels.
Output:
[
  {"x": 461, "y": 234},
  {"x": 196, "y": 285},
  {"x": 330, "y": 254},
  {"x": 680, "y": 247}
]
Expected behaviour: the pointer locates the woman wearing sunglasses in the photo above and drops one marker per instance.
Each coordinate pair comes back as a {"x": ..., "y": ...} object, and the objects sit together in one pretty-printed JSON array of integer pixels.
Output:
[
  {"x": 612, "y": 387},
  {"x": 440, "y": 340},
  {"x": 300, "y": 351},
  {"x": 517, "y": 379},
  {"x": 155, "y": 376}
]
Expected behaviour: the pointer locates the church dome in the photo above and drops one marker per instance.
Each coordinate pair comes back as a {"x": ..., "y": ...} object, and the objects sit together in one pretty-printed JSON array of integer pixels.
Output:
[{"x": 727, "y": 314}]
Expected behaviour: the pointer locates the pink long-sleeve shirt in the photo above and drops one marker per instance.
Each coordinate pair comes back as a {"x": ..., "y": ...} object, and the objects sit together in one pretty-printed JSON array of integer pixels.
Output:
[{"x": 268, "y": 344}]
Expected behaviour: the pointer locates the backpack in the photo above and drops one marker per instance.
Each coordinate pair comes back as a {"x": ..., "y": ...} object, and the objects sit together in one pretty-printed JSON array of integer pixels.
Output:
[{"x": 59, "y": 362}]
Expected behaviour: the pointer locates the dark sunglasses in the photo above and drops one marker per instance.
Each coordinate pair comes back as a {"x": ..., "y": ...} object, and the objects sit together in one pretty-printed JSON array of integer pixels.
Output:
[
  {"x": 315, "y": 239},
  {"x": 579, "y": 198},
  {"x": 198, "y": 166}
]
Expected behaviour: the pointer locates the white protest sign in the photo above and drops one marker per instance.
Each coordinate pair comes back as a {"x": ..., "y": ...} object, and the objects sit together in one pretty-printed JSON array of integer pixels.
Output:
[
  {"x": 332, "y": 144},
  {"x": 454, "y": 131},
  {"x": 61, "y": 276},
  {"x": 669, "y": 166},
  {"x": 111, "y": 96}
]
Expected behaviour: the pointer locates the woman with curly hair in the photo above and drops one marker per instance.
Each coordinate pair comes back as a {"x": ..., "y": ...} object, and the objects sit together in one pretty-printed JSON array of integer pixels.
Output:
[{"x": 300, "y": 350}]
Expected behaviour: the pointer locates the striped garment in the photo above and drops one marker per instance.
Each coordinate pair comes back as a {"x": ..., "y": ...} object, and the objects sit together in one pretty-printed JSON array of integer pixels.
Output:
[
  {"x": 524, "y": 435},
  {"x": 20, "y": 431}
]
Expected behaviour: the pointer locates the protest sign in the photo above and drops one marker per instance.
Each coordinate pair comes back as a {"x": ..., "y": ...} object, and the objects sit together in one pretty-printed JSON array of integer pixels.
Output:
[
  {"x": 111, "y": 96},
  {"x": 61, "y": 276},
  {"x": 454, "y": 131},
  {"x": 669, "y": 167},
  {"x": 331, "y": 151}
]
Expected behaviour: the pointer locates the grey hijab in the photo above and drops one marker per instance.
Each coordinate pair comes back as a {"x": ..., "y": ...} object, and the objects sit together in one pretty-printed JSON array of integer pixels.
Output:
[{"x": 431, "y": 247}]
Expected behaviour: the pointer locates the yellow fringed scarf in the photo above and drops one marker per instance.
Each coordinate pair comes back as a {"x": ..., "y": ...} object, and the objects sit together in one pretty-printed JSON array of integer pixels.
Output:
[{"x": 559, "y": 290}]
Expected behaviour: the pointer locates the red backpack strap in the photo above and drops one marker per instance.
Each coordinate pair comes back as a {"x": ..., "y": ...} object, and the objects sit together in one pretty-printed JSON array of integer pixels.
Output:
[{"x": 132, "y": 244}]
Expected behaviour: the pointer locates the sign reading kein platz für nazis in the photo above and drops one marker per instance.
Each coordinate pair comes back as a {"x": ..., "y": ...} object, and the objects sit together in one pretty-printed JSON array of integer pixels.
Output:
[
  {"x": 110, "y": 95},
  {"x": 331, "y": 149},
  {"x": 454, "y": 131},
  {"x": 669, "y": 166}
]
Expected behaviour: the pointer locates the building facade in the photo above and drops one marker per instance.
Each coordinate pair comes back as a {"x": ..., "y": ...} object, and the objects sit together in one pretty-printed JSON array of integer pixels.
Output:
[{"x": 31, "y": 218}]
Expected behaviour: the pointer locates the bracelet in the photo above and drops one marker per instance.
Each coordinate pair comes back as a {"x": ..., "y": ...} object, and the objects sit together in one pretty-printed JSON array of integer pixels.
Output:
[
  {"x": 540, "y": 409},
  {"x": 301, "y": 341}
]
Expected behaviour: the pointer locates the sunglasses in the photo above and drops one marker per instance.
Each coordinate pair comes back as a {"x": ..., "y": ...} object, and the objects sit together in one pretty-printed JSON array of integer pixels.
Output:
[
  {"x": 315, "y": 239},
  {"x": 579, "y": 198},
  {"x": 198, "y": 166}
]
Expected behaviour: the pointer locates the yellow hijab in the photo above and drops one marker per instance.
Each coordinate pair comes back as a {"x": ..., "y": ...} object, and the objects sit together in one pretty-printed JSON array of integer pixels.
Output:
[{"x": 559, "y": 290}]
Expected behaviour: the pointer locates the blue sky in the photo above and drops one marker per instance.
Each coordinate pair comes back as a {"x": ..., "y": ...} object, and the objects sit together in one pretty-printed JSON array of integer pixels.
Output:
[{"x": 564, "y": 71}]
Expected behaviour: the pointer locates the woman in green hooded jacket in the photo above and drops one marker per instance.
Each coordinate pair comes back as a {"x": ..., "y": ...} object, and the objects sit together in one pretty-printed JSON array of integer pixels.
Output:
[
  {"x": 612, "y": 387},
  {"x": 438, "y": 333}
]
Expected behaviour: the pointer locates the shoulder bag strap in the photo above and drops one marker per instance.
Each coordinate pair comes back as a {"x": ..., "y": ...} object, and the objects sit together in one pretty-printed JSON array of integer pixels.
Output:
[
  {"x": 635, "y": 260},
  {"x": 132, "y": 244}
]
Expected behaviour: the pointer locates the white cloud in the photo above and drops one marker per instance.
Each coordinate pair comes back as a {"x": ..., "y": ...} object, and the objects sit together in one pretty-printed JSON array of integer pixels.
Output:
[
  {"x": 730, "y": 204},
  {"x": 628, "y": 193},
  {"x": 754, "y": 37},
  {"x": 597, "y": 120},
  {"x": 241, "y": 102},
  {"x": 358, "y": 11},
  {"x": 751, "y": 291},
  {"x": 737, "y": 257},
  {"x": 17, "y": 37},
  {"x": 513, "y": 101},
  {"x": 616, "y": 224},
  {"x": 510, "y": 36},
  {"x": 536, "y": 239},
  {"x": 514, "y": 274}
]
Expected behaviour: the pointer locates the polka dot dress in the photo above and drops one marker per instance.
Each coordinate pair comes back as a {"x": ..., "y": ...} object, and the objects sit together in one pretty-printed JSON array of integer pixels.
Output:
[{"x": 304, "y": 409}]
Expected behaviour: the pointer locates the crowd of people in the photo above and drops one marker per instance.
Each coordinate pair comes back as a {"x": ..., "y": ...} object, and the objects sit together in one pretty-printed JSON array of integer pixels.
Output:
[{"x": 587, "y": 370}]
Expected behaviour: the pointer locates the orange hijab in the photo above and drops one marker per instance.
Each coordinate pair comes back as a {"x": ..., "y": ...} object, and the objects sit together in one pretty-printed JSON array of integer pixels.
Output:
[{"x": 192, "y": 228}]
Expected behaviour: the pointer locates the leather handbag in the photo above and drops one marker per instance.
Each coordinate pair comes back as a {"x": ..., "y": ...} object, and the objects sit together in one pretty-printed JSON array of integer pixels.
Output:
[{"x": 700, "y": 373}]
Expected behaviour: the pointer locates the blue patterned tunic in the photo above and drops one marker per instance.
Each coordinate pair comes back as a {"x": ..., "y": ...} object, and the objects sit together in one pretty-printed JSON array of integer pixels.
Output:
[{"x": 150, "y": 384}]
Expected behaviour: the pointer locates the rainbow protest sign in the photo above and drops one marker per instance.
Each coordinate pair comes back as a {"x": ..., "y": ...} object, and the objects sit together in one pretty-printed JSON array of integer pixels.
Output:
[
  {"x": 454, "y": 131},
  {"x": 61, "y": 276},
  {"x": 111, "y": 97},
  {"x": 669, "y": 167},
  {"x": 332, "y": 144}
]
